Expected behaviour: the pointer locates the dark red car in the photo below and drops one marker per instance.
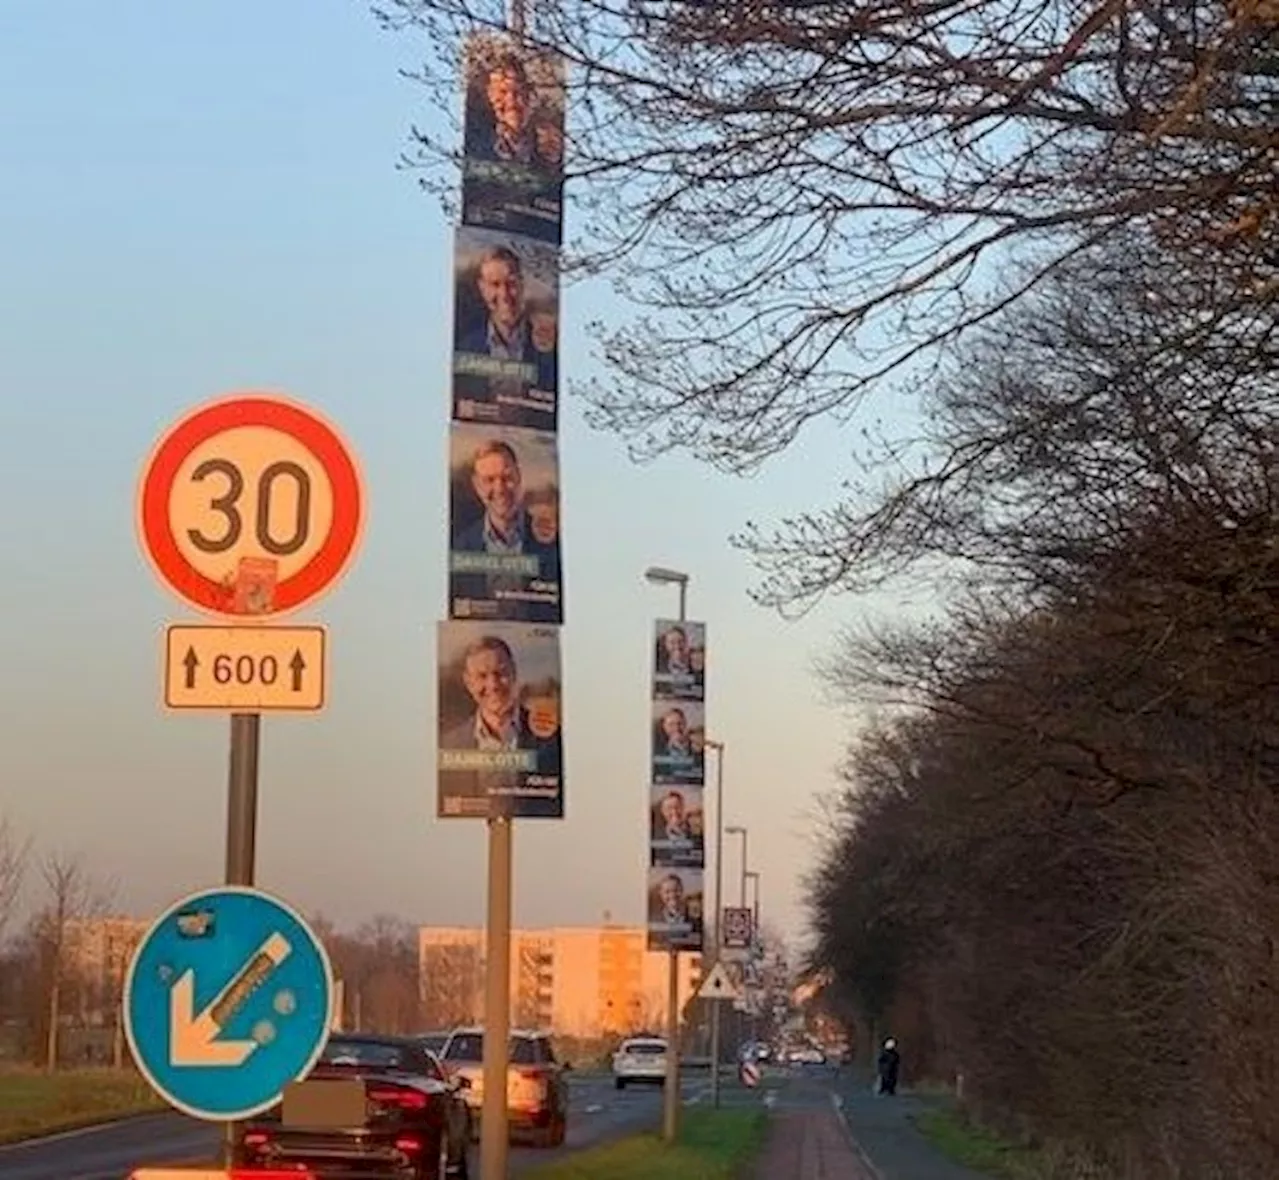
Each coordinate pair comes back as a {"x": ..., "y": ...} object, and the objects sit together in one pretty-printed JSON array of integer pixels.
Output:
[{"x": 374, "y": 1106}]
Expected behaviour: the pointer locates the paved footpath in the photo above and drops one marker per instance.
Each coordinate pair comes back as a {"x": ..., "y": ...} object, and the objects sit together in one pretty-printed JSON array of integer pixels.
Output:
[
  {"x": 809, "y": 1145},
  {"x": 887, "y": 1139}
]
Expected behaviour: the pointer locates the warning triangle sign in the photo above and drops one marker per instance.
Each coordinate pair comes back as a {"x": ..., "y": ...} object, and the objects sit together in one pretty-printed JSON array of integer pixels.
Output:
[{"x": 718, "y": 986}]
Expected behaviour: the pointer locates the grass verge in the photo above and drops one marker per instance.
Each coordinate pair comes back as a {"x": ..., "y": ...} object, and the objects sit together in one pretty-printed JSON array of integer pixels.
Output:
[
  {"x": 34, "y": 1103},
  {"x": 978, "y": 1148},
  {"x": 713, "y": 1145}
]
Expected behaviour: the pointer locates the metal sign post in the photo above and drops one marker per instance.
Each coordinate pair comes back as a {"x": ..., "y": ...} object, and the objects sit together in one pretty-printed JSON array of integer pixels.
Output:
[
  {"x": 242, "y": 837},
  {"x": 497, "y": 1003}
]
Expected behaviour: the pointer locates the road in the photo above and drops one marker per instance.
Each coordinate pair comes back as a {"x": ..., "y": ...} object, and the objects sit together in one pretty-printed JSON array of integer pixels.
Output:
[{"x": 597, "y": 1112}]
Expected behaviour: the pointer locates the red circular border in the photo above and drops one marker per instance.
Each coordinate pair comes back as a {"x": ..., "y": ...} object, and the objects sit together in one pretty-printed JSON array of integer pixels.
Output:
[{"x": 202, "y": 424}]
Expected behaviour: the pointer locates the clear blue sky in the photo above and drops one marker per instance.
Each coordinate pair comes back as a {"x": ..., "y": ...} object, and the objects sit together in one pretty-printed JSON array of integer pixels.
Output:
[{"x": 196, "y": 198}]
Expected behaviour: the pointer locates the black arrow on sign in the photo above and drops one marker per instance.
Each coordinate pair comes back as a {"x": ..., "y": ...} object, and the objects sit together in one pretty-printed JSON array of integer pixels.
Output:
[
  {"x": 191, "y": 662},
  {"x": 297, "y": 666}
]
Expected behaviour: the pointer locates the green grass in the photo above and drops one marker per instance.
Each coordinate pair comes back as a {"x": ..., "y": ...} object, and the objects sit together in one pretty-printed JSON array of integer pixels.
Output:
[
  {"x": 713, "y": 1145},
  {"x": 978, "y": 1148},
  {"x": 34, "y": 1103}
]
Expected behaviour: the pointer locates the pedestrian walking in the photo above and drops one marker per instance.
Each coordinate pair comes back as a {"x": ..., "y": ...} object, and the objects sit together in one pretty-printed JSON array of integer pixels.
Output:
[{"x": 887, "y": 1066}]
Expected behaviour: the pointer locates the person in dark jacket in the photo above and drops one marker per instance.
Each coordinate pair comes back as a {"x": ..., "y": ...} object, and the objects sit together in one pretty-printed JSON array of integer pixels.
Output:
[{"x": 887, "y": 1064}]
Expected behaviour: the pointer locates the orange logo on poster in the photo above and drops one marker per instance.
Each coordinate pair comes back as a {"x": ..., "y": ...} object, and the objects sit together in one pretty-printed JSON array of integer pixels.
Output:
[{"x": 250, "y": 506}]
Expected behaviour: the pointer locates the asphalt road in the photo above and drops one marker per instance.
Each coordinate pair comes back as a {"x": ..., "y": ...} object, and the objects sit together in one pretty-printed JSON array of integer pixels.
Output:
[{"x": 597, "y": 1112}]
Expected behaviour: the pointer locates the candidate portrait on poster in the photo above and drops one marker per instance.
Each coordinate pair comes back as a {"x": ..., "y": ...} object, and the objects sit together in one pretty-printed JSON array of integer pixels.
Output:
[
  {"x": 506, "y": 330},
  {"x": 679, "y": 660},
  {"x": 679, "y": 743},
  {"x": 676, "y": 827},
  {"x": 675, "y": 908},
  {"x": 504, "y": 507},
  {"x": 513, "y": 139},
  {"x": 499, "y": 741}
]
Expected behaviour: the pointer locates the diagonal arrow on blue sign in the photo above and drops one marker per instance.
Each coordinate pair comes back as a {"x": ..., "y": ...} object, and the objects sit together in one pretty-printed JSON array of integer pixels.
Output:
[{"x": 228, "y": 998}]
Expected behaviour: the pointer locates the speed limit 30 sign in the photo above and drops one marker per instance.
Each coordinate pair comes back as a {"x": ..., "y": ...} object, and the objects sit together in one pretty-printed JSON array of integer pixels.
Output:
[{"x": 250, "y": 506}]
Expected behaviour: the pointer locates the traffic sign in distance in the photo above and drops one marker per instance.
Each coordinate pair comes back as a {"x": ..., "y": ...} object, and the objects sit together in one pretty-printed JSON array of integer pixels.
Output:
[
  {"x": 250, "y": 506},
  {"x": 227, "y": 999},
  {"x": 718, "y": 986},
  {"x": 245, "y": 669},
  {"x": 736, "y": 922},
  {"x": 749, "y": 1073}
]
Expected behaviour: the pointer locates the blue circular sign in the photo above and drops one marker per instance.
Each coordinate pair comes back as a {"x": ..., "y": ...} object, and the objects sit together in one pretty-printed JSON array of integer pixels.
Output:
[{"x": 228, "y": 999}]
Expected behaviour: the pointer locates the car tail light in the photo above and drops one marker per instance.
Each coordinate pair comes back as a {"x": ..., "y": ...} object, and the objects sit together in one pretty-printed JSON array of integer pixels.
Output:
[
  {"x": 409, "y": 1144},
  {"x": 256, "y": 1138},
  {"x": 399, "y": 1097}
]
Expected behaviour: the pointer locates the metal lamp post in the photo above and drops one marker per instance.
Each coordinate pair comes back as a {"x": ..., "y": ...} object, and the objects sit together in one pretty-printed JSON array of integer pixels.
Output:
[
  {"x": 671, "y": 1089},
  {"x": 738, "y": 830},
  {"x": 715, "y": 928}
]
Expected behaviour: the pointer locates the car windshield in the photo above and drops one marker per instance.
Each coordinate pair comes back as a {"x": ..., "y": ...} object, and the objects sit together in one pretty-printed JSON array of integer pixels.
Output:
[
  {"x": 350, "y": 1052},
  {"x": 644, "y": 1048},
  {"x": 470, "y": 1047}
]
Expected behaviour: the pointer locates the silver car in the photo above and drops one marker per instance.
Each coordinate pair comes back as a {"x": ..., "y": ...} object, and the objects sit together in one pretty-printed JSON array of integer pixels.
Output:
[{"x": 640, "y": 1059}]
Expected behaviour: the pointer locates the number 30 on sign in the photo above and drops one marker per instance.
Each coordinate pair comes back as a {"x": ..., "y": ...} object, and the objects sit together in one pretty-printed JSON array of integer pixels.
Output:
[{"x": 250, "y": 506}]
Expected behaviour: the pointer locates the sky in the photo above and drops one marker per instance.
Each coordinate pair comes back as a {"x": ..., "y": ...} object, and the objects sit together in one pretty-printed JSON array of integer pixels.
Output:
[{"x": 202, "y": 198}]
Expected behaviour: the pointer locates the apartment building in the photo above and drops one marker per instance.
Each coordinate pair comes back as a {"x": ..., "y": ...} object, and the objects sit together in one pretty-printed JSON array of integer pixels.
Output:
[
  {"x": 95, "y": 957},
  {"x": 580, "y": 981}
]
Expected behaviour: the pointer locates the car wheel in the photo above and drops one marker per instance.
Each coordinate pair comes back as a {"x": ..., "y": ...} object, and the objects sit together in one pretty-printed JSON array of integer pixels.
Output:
[
  {"x": 619, "y": 1083},
  {"x": 559, "y": 1131}
]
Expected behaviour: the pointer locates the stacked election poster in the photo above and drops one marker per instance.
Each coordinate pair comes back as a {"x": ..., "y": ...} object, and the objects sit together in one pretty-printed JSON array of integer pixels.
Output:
[
  {"x": 498, "y": 654},
  {"x": 677, "y": 776}
]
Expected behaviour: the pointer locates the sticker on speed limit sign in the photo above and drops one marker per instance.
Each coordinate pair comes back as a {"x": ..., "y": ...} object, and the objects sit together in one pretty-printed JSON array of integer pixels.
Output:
[{"x": 250, "y": 506}]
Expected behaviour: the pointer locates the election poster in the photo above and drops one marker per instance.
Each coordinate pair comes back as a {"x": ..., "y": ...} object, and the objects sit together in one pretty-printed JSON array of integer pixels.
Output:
[
  {"x": 506, "y": 330},
  {"x": 499, "y": 749},
  {"x": 679, "y": 660},
  {"x": 504, "y": 515},
  {"x": 514, "y": 138},
  {"x": 676, "y": 827},
  {"x": 674, "y": 909},
  {"x": 678, "y": 735}
]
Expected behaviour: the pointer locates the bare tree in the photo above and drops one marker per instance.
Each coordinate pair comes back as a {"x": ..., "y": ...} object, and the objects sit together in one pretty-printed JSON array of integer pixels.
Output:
[
  {"x": 74, "y": 895},
  {"x": 804, "y": 203},
  {"x": 15, "y": 852}
]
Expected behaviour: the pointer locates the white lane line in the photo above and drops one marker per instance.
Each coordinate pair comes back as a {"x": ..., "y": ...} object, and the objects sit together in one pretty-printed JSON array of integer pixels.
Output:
[
  {"x": 79, "y": 1132},
  {"x": 595, "y": 1108},
  {"x": 837, "y": 1103}
]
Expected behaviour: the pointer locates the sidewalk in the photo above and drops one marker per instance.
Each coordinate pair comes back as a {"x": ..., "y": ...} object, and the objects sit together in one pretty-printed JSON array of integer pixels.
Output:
[
  {"x": 809, "y": 1145},
  {"x": 889, "y": 1140}
]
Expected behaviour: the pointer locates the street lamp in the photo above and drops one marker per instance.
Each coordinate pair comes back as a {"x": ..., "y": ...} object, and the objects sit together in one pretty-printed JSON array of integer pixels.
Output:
[
  {"x": 738, "y": 830},
  {"x": 754, "y": 878},
  {"x": 661, "y": 576},
  {"x": 716, "y": 901},
  {"x": 664, "y": 577}
]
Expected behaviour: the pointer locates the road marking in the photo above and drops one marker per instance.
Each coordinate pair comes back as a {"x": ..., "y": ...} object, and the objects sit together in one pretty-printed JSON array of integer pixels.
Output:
[
  {"x": 78, "y": 1132},
  {"x": 594, "y": 1108},
  {"x": 837, "y": 1104}
]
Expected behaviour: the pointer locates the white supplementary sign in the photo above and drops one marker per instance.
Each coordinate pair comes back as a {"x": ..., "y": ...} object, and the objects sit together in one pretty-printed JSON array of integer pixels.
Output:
[
  {"x": 245, "y": 668},
  {"x": 718, "y": 986}
]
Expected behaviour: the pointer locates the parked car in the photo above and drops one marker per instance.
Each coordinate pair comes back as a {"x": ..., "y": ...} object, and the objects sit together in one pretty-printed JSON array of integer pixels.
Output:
[
  {"x": 537, "y": 1085},
  {"x": 373, "y": 1105},
  {"x": 640, "y": 1059},
  {"x": 806, "y": 1055}
]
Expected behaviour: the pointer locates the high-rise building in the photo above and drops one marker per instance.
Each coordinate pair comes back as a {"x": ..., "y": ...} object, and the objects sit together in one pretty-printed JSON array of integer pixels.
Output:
[{"x": 579, "y": 981}]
